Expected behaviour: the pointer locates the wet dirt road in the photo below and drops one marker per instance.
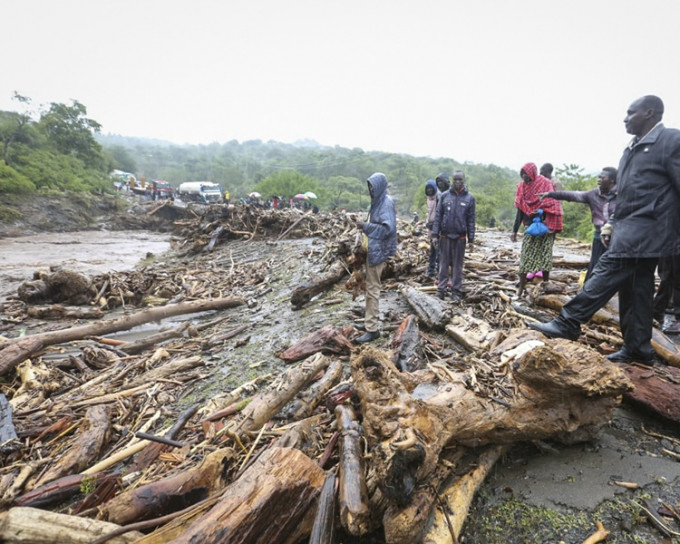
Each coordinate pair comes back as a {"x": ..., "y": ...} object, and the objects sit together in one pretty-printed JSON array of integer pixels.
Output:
[{"x": 90, "y": 252}]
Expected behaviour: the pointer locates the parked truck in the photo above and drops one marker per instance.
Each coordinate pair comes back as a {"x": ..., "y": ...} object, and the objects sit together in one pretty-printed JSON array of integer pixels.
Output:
[
  {"x": 205, "y": 192},
  {"x": 159, "y": 189}
]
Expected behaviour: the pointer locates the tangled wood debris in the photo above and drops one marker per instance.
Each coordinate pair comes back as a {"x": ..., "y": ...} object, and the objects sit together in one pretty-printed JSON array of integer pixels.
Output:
[{"x": 101, "y": 440}]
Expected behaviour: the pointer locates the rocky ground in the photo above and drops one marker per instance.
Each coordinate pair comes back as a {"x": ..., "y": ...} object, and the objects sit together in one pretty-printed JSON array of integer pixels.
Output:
[{"x": 537, "y": 493}]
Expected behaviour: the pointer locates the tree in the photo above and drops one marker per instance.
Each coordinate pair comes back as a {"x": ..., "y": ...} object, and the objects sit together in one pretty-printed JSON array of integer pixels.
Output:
[
  {"x": 71, "y": 132},
  {"x": 287, "y": 183},
  {"x": 577, "y": 217},
  {"x": 14, "y": 126}
]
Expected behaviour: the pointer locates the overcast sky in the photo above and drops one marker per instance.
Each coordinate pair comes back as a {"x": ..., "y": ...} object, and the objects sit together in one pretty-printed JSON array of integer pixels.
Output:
[{"x": 484, "y": 81}]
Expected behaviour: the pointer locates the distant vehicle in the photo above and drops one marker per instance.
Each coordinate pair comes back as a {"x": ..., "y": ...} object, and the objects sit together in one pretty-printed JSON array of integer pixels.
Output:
[
  {"x": 205, "y": 192},
  {"x": 159, "y": 189}
]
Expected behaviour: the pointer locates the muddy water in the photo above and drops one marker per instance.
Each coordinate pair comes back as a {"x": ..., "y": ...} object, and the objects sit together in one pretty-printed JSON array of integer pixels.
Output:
[{"x": 90, "y": 252}]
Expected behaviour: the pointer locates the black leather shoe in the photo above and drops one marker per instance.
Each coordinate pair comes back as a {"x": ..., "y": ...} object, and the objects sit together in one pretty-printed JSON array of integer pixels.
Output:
[
  {"x": 624, "y": 355},
  {"x": 368, "y": 336},
  {"x": 359, "y": 327},
  {"x": 553, "y": 330}
]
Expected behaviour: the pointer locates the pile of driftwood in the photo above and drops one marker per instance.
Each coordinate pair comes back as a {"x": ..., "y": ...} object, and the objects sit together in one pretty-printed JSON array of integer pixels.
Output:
[{"x": 391, "y": 442}]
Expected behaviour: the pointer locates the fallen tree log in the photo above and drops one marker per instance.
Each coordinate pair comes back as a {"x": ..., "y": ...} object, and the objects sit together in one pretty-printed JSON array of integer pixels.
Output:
[
  {"x": 405, "y": 345},
  {"x": 31, "y": 344},
  {"x": 355, "y": 514},
  {"x": 304, "y": 293},
  {"x": 303, "y": 406},
  {"x": 449, "y": 518},
  {"x": 430, "y": 310},
  {"x": 8, "y": 436},
  {"x": 35, "y": 526},
  {"x": 170, "y": 494},
  {"x": 663, "y": 346},
  {"x": 132, "y": 348},
  {"x": 13, "y": 354},
  {"x": 323, "y": 530},
  {"x": 656, "y": 389},
  {"x": 564, "y": 391},
  {"x": 280, "y": 480},
  {"x": 85, "y": 449},
  {"x": 328, "y": 338}
]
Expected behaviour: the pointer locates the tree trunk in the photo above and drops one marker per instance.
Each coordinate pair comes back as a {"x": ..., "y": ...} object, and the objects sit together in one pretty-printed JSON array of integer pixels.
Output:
[
  {"x": 304, "y": 293},
  {"x": 85, "y": 449},
  {"x": 170, "y": 494},
  {"x": 328, "y": 338},
  {"x": 430, "y": 310},
  {"x": 270, "y": 502},
  {"x": 35, "y": 526},
  {"x": 559, "y": 388},
  {"x": 656, "y": 389}
]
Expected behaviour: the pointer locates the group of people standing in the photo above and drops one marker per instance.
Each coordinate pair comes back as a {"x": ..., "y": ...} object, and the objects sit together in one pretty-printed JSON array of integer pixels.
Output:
[{"x": 636, "y": 222}]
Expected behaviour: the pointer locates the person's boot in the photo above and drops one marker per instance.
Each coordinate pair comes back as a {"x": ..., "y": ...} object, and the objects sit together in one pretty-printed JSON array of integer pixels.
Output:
[
  {"x": 553, "y": 329},
  {"x": 368, "y": 336}
]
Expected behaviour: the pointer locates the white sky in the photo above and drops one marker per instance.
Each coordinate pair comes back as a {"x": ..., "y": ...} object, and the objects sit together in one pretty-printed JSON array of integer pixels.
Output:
[{"x": 488, "y": 81}]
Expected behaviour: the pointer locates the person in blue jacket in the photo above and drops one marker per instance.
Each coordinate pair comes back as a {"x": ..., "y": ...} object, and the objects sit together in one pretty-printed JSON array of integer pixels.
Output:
[{"x": 381, "y": 236}]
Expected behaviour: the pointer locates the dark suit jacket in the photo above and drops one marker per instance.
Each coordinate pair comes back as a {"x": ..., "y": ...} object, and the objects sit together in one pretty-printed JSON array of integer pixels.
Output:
[{"x": 647, "y": 217}]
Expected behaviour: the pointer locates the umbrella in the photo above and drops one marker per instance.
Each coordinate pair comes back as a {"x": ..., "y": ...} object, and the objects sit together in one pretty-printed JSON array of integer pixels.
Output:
[
  {"x": 255, "y": 194},
  {"x": 300, "y": 195},
  {"x": 309, "y": 194}
]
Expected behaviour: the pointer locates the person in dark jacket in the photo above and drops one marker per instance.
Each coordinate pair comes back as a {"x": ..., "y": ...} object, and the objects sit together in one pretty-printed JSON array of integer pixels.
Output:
[
  {"x": 454, "y": 222},
  {"x": 602, "y": 203},
  {"x": 381, "y": 236},
  {"x": 443, "y": 183},
  {"x": 644, "y": 227}
]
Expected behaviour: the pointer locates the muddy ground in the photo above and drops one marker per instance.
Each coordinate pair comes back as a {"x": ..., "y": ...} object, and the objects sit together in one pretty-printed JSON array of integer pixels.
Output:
[{"x": 538, "y": 493}]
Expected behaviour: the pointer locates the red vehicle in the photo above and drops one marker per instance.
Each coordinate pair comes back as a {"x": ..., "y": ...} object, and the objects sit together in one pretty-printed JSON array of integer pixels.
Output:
[{"x": 159, "y": 190}]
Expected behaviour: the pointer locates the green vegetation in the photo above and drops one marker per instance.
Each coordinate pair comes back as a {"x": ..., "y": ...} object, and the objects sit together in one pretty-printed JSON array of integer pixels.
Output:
[{"x": 60, "y": 149}]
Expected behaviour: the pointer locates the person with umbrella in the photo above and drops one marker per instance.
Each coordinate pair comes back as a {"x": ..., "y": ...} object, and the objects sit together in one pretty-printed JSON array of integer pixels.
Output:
[{"x": 380, "y": 238}]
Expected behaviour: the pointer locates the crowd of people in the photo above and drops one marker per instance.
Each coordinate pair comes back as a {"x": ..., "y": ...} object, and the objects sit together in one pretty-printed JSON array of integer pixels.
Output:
[{"x": 636, "y": 224}]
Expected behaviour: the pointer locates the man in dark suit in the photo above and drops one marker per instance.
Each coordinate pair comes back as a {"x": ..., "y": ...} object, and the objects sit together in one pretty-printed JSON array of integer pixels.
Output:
[{"x": 644, "y": 227}]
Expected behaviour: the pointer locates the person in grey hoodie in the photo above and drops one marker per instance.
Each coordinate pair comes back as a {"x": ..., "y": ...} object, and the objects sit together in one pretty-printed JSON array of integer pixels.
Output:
[
  {"x": 431, "y": 195},
  {"x": 381, "y": 237}
]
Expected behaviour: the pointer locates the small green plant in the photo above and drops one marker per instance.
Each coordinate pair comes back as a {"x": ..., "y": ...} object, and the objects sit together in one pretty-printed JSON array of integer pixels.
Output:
[{"x": 88, "y": 485}]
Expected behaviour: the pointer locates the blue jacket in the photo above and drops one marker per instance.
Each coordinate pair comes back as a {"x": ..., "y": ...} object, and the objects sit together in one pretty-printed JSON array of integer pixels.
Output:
[
  {"x": 455, "y": 215},
  {"x": 381, "y": 228}
]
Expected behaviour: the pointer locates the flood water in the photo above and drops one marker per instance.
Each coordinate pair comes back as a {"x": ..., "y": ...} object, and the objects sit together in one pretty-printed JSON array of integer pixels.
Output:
[{"x": 89, "y": 252}]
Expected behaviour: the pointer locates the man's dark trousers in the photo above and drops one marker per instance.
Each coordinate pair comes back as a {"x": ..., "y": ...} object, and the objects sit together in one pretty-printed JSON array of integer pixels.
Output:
[
  {"x": 634, "y": 280},
  {"x": 451, "y": 254}
]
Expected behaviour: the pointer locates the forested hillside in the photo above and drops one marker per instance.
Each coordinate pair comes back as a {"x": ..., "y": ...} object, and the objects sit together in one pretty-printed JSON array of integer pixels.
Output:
[{"x": 60, "y": 149}]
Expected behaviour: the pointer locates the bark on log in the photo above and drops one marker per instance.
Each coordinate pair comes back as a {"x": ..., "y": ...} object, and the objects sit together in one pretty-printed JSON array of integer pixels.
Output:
[
  {"x": 57, "y": 311},
  {"x": 271, "y": 501},
  {"x": 268, "y": 403},
  {"x": 85, "y": 449},
  {"x": 405, "y": 344},
  {"x": 170, "y": 494},
  {"x": 355, "y": 514},
  {"x": 176, "y": 367},
  {"x": 8, "y": 435},
  {"x": 656, "y": 389},
  {"x": 304, "y": 293},
  {"x": 11, "y": 354},
  {"x": 323, "y": 530},
  {"x": 430, "y": 310},
  {"x": 563, "y": 387},
  {"x": 328, "y": 338},
  {"x": 458, "y": 498},
  {"x": 471, "y": 333},
  {"x": 8, "y": 358},
  {"x": 35, "y": 526},
  {"x": 304, "y": 405},
  {"x": 407, "y": 524}
]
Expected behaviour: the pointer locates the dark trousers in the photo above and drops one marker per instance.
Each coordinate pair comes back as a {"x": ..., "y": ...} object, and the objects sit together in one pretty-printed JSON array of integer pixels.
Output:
[
  {"x": 595, "y": 254},
  {"x": 434, "y": 259},
  {"x": 634, "y": 281},
  {"x": 668, "y": 292},
  {"x": 451, "y": 254}
]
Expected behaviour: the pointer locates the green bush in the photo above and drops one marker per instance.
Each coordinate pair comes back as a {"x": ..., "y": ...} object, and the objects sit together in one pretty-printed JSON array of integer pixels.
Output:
[{"x": 12, "y": 181}]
